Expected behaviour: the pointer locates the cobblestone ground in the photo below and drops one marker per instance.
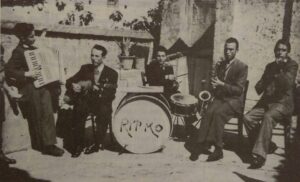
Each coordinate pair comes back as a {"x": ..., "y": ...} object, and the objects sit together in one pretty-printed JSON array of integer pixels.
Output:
[{"x": 172, "y": 164}]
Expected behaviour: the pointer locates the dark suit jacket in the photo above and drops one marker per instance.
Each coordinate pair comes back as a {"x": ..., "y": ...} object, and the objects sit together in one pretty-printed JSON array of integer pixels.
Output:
[
  {"x": 15, "y": 75},
  {"x": 277, "y": 85},
  {"x": 235, "y": 79},
  {"x": 16, "y": 67},
  {"x": 86, "y": 73},
  {"x": 156, "y": 74}
]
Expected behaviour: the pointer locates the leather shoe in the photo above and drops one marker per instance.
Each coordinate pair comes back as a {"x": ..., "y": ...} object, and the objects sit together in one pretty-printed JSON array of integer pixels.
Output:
[
  {"x": 257, "y": 162},
  {"x": 92, "y": 149},
  {"x": 273, "y": 147},
  {"x": 6, "y": 160},
  {"x": 53, "y": 151},
  {"x": 194, "y": 156},
  {"x": 215, "y": 156},
  {"x": 77, "y": 152}
]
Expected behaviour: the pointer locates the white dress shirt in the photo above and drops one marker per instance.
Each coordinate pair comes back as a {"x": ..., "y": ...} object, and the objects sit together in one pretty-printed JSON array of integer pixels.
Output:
[{"x": 97, "y": 72}]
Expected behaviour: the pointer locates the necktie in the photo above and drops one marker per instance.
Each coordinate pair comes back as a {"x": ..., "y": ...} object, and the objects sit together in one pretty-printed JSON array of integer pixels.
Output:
[{"x": 96, "y": 75}]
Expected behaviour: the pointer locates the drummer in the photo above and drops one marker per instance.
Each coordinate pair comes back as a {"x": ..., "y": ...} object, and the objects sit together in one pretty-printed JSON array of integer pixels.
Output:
[{"x": 161, "y": 73}]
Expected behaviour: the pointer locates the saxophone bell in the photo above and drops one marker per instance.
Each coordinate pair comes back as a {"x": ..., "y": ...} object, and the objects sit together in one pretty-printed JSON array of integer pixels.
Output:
[{"x": 204, "y": 96}]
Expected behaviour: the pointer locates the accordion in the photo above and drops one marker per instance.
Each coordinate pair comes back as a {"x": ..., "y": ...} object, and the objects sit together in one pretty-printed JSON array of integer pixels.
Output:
[{"x": 48, "y": 65}]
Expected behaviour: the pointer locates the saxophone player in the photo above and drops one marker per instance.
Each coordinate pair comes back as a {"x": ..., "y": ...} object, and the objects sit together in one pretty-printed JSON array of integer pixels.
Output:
[
  {"x": 276, "y": 86},
  {"x": 228, "y": 85}
]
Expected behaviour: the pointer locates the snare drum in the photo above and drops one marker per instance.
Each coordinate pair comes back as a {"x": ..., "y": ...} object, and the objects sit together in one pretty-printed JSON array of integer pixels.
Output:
[
  {"x": 183, "y": 105},
  {"x": 142, "y": 123}
]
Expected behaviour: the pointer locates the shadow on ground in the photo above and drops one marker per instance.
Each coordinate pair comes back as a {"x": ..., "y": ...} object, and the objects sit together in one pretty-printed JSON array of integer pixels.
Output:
[
  {"x": 232, "y": 142},
  {"x": 16, "y": 175},
  {"x": 240, "y": 146},
  {"x": 290, "y": 166},
  {"x": 246, "y": 178},
  {"x": 109, "y": 142}
]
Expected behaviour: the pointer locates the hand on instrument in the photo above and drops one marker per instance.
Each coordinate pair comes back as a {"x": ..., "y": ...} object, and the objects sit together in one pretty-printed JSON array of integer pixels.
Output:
[
  {"x": 216, "y": 82},
  {"x": 13, "y": 92},
  {"x": 76, "y": 87},
  {"x": 95, "y": 88},
  {"x": 170, "y": 77},
  {"x": 31, "y": 74},
  {"x": 166, "y": 64}
]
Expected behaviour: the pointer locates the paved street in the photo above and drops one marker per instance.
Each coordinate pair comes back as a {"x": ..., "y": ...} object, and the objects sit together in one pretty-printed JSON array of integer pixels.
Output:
[{"x": 172, "y": 164}]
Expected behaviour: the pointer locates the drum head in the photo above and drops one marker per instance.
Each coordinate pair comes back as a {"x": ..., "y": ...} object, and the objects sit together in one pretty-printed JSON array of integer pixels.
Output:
[
  {"x": 182, "y": 99},
  {"x": 142, "y": 125}
]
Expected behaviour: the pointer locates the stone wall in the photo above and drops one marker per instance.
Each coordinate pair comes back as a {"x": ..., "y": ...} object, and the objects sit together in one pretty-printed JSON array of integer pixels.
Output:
[
  {"x": 187, "y": 20},
  {"x": 74, "y": 51},
  {"x": 223, "y": 26},
  {"x": 295, "y": 35},
  {"x": 171, "y": 23}
]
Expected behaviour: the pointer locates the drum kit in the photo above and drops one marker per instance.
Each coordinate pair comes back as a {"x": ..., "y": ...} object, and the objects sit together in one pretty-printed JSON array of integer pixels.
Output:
[{"x": 143, "y": 122}]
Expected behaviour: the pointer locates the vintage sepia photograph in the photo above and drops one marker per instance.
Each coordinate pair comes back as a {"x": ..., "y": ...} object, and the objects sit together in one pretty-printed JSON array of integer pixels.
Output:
[{"x": 150, "y": 91}]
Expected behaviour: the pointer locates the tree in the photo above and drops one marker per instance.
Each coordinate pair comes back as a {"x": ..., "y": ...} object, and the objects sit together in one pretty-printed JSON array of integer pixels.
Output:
[
  {"x": 79, "y": 16},
  {"x": 151, "y": 23}
]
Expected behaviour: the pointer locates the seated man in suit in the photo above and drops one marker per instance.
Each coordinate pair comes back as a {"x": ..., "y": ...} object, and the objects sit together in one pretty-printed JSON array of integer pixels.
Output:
[
  {"x": 276, "y": 86},
  {"x": 92, "y": 90},
  {"x": 228, "y": 85},
  {"x": 160, "y": 73}
]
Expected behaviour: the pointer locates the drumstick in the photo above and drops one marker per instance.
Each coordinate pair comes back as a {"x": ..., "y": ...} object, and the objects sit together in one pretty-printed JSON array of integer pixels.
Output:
[
  {"x": 44, "y": 32},
  {"x": 182, "y": 75}
]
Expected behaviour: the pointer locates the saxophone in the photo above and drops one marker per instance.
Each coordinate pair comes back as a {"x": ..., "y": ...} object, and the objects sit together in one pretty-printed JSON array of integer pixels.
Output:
[{"x": 205, "y": 96}]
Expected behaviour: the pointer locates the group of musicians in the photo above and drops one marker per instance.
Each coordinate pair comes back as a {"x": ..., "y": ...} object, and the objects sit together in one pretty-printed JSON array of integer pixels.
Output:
[
  {"x": 228, "y": 84},
  {"x": 92, "y": 89}
]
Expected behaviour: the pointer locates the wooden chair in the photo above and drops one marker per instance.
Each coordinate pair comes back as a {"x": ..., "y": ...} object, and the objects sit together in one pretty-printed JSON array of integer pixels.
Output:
[
  {"x": 287, "y": 132},
  {"x": 240, "y": 117},
  {"x": 91, "y": 117},
  {"x": 144, "y": 78},
  {"x": 286, "y": 123}
]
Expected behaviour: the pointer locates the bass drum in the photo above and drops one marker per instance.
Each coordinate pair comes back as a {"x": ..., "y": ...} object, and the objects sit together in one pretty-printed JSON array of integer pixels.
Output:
[{"x": 142, "y": 123}]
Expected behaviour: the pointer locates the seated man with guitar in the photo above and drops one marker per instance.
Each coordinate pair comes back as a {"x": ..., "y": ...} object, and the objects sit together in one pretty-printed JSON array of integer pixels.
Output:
[{"x": 92, "y": 90}]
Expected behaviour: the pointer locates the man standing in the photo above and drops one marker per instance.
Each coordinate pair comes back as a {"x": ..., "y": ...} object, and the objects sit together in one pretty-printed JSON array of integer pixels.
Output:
[
  {"x": 228, "y": 85},
  {"x": 92, "y": 90},
  {"x": 276, "y": 86},
  {"x": 36, "y": 103}
]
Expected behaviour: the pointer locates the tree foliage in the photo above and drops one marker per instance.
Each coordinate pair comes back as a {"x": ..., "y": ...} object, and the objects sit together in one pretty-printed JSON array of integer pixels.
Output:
[
  {"x": 151, "y": 23},
  {"x": 79, "y": 16}
]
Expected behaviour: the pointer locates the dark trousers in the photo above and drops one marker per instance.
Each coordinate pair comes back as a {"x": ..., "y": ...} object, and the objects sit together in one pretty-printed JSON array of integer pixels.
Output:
[
  {"x": 1, "y": 140},
  {"x": 101, "y": 111},
  {"x": 2, "y": 106},
  {"x": 40, "y": 117},
  {"x": 259, "y": 124},
  {"x": 212, "y": 126},
  {"x": 2, "y": 116}
]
